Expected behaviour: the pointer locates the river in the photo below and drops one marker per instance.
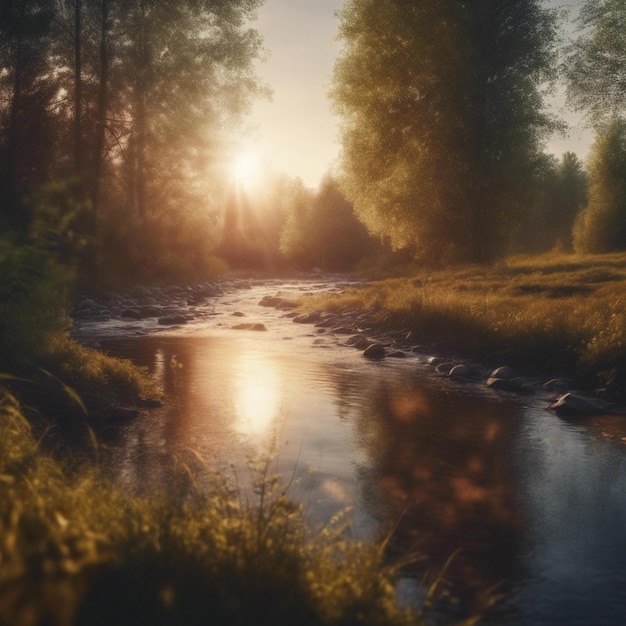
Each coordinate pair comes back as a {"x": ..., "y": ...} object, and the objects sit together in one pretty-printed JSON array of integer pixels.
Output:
[{"x": 515, "y": 499}]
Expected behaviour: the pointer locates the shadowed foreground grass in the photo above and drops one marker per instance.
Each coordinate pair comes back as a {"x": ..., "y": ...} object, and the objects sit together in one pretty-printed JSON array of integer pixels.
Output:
[
  {"x": 76, "y": 551},
  {"x": 559, "y": 313}
]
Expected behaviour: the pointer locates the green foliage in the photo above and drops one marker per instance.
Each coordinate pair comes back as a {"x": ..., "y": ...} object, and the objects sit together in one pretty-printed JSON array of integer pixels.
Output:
[
  {"x": 595, "y": 67},
  {"x": 137, "y": 100},
  {"x": 172, "y": 247},
  {"x": 322, "y": 231},
  {"x": 38, "y": 272},
  {"x": 294, "y": 238},
  {"x": 442, "y": 118},
  {"x": 552, "y": 314},
  {"x": 570, "y": 198},
  {"x": 96, "y": 378},
  {"x": 560, "y": 189},
  {"x": 27, "y": 128},
  {"x": 601, "y": 227},
  {"x": 76, "y": 551}
]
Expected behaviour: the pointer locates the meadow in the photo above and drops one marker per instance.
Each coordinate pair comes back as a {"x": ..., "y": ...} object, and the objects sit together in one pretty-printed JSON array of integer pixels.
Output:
[{"x": 557, "y": 314}]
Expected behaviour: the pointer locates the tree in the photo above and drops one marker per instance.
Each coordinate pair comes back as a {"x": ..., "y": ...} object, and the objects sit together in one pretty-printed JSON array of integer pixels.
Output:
[
  {"x": 185, "y": 72},
  {"x": 569, "y": 198},
  {"x": 137, "y": 99},
  {"x": 294, "y": 240},
  {"x": 25, "y": 94},
  {"x": 595, "y": 66},
  {"x": 321, "y": 229},
  {"x": 442, "y": 117},
  {"x": 601, "y": 227}
]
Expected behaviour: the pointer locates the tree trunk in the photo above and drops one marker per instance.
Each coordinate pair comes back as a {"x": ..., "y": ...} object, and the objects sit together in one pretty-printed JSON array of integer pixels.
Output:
[
  {"x": 101, "y": 112},
  {"x": 140, "y": 115},
  {"x": 78, "y": 148},
  {"x": 10, "y": 178}
]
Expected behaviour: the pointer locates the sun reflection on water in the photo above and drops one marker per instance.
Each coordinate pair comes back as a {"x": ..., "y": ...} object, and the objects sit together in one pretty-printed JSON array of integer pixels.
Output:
[{"x": 258, "y": 396}]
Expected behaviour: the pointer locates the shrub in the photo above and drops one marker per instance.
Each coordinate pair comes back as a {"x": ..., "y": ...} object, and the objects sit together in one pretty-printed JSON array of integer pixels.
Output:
[
  {"x": 601, "y": 227},
  {"x": 76, "y": 551}
]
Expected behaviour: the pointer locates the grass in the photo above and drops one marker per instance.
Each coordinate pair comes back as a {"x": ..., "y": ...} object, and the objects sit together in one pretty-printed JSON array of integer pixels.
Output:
[
  {"x": 75, "y": 551},
  {"x": 66, "y": 383},
  {"x": 98, "y": 377},
  {"x": 563, "y": 314}
]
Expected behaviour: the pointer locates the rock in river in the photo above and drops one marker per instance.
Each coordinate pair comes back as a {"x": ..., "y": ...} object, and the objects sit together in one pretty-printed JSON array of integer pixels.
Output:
[
  {"x": 270, "y": 301},
  {"x": 358, "y": 341},
  {"x": 375, "y": 351},
  {"x": 574, "y": 404},
  {"x": 308, "y": 318},
  {"x": 171, "y": 320},
  {"x": 504, "y": 372},
  {"x": 250, "y": 326},
  {"x": 464, "y": 372},
  {"x": 516, "y": 383}
]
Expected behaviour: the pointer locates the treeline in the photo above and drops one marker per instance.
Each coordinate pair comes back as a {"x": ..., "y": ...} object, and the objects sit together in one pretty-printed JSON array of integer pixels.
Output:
[
  {"x": 287, "y": 225},
  {"x": 444, "y": 125},
  {"x": 123, "y": 114},
  {"x": 131, "y": 101}
]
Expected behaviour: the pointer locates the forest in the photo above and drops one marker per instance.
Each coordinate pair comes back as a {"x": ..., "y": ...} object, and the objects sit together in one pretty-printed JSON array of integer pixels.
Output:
[{"x": 119, "y": 125}]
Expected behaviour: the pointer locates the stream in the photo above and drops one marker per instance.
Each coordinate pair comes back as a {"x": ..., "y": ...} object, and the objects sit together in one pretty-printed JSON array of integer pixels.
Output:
[{"x": 512, "y": 497}]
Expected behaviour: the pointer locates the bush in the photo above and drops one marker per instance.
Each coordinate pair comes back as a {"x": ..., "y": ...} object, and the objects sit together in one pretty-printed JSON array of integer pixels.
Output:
[
  {"x": 76, "y": 551},
  {"x": 38, "y": 273},
  {"x": 601, "y": 227}
]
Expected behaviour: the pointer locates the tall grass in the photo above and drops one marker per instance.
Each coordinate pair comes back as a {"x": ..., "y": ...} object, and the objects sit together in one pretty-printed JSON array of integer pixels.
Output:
[
  {"x": 565, "y": 313},
  {"x": 76, "y": 551}
]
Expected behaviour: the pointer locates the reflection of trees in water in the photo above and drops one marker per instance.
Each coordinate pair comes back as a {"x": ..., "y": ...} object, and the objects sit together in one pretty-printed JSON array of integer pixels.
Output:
[
  {"x": 162, "y": 450},
  {"x": 442, "y": 465}
]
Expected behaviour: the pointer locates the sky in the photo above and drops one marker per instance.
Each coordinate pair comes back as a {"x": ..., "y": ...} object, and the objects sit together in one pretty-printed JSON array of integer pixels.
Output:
[{"x": 296, "y": 132}]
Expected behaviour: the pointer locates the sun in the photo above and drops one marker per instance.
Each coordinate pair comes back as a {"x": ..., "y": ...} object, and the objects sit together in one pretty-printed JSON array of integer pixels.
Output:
[{"x": 247, "y": 169}]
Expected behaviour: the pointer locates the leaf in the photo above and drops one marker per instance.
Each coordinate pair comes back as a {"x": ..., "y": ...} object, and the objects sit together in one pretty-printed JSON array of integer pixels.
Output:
[{"x": 71, "y": 393}]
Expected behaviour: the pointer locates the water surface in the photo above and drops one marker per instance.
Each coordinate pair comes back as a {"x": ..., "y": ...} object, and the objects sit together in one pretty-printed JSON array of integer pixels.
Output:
[{"x": 527, "y": 503}]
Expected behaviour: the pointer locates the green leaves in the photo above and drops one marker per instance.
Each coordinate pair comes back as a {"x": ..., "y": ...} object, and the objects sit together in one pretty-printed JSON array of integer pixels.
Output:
[
  {"x": 442, "y": 118},
  {"x": 601, "y": 227},
  {"x": 595, "y": 65}
]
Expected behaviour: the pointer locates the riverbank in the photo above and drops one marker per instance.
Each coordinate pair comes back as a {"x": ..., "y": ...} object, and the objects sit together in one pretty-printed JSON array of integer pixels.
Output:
[
  {"x": 189, "y": 556},
  {"x": 76, "y": 551},
  {"x": 552, "y": 316},
  {"x": 175, "y": 524}
]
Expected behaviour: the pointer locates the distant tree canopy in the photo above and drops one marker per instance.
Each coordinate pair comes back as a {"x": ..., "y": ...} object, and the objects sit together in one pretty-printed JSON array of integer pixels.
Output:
[
  {"x": 132, "y": 98},
  {"x": 601, "y": 227},
  {"x": 560, "y": 194},
  {"x": 595, "y": 67},
  {"x": 442, "y": 118},
  {"x": 253, "y": 223},
  {"x": 321, "y": 229},
  {"x": 569, "y": 197}
]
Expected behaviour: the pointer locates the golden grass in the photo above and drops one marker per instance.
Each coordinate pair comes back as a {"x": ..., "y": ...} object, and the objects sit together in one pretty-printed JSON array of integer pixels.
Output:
[
  {"x": 561, "y": 312},
  {"x": 96, "y": 377},
  {"x": 75, "y": 551}
]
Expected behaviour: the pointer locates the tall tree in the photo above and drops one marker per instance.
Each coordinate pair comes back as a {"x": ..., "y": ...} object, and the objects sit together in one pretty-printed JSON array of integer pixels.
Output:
[
  {"x": 601, "y": 227},
  {"x": 321, "y": 229},
  {"x": 442, "y": 117},
  {"x": 186, "y": 71},
  {"x": 560, "y": 192},
  {"x": 595, "y": 66},
  {"x": 136, "y": 97},
  {"x": 101, "y": 113},
  {"x": 569, "y": 199},
  {"x": 78, "y": 88},
  {"x": 25, "y": 94}
]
